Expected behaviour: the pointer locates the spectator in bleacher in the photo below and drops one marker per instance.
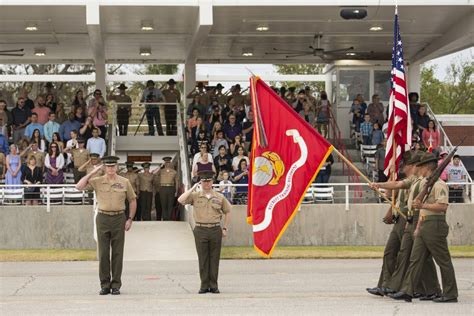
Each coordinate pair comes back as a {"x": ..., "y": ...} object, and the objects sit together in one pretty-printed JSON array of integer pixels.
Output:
[
  {"x": 456, "y": 174},
  {"x": 57, "y": 140},
  {"x": 54, "y": 163},
  {"x": 422, "y": 119},
  {"x": 291, "y": 95},
  {"x": 200, "y": 97},
  {"x": 20, "y": 119},
  {"x": 33, "y": 126},
  {"x": 69, "y": 125},
  {"x": 51, "y": 102},
  {"x": 215, "y": 115},
  {"x": 29, "y": 104},
  {"x": 413, "y": 98},
  {"x": 444, "y": 173},
  {"x": 86, "y": 129},
  {"x": 145, "y": 183},
  {"x": 192, "y": 121},
  {"x": 232, "y": 128},
  {"x": 247, "y": 128},
  {"x": 241, "y": 155},
  {"x": 3, "y": 168},
  {"x": 49, "y": 90},
  {"x": 307, "y": 114},
  {"x": 375, "y": 110},
  {"x": 13, "y": 164},
  {"x": 366, "y": 129},
  {"x": 200, "y": 140},
  {"x": 204, "y": 164},
  {"x": 80, "y": 116},
  {"x": 32, "y": 174},
  {"x": 124, "y": 108},
  {"x": 239, "y": 112},
  {"x": 194, "y": 105},
  {"x": 72, "y": 143},
  {"x": 216, "y": 127},
  {"x": 200, "y": 127},
  {"x": 225, "y": 186},
  {"x": 241, "y": 176},
  {"x": 3, "y": 144},
  {"x": 79, "y": 101},
  {"x": 50, "y": 127},
  {"x": 5, "y": 118},
  {"x": 222, "y": 162},
  {"x": 96, "y": 144},
  {"x": 323, "y": 113},
  {"x": 358, "y": 112},
  {"x": 325, "y": 171},
  {"x": 41, "y": 110},
  {"x": 377, "y": 135},
  {"x": 311, "y": 99},
  {"x": 237, "y": 143},
  {"x": 431, "y": 137},
  {"x": 61, "y": 116},
  {"x": 36, "y": 138},
  {"x": 79, "y": 156},
  {"x": 203, "y": 150},
  {"x": 153, "y": 95},
  {"x": 98, "y": 112},
  {"x": 298, "y": 104},
  {"x": 380, "y": 161},
  {"x": 217, "y": 142},
  {"x": 33, "y": 151}
]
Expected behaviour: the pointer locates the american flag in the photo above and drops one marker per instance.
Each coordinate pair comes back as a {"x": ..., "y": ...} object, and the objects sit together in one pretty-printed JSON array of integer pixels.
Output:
[{"x": 399, "y": 119}]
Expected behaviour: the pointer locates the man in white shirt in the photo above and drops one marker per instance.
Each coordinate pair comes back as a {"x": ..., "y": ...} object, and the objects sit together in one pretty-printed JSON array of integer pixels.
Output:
[
  {"x": 456, "y": 174},
  {"x": 96, "y": 145}
]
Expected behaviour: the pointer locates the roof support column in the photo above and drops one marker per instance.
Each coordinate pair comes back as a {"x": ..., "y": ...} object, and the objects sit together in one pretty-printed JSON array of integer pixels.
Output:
[
  {"x": 414, "y": 78},
  {"x": 189, "y": 78},
  {"x": 97, "y": 43}
]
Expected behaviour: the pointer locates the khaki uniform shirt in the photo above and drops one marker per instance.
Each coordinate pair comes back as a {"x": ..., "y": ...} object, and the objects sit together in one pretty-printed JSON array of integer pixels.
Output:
[
  {"x": 402, "y": 197},
  {"x": 79, "y": 156},
  {"x": 239, "y": 99},
  {"x": 39, "y": 156},
  {"x": 439, "y": 194},
  {"x": 415, "y": 189},
  {"x": 167, "y": 176},
  {"x": 208, "y": 210},
  {"x": 111, "y": 195},
  {"x": 172, "y": 96},
  {"x": 145, "y": 181},
  {"x": 221, "y": 99},
  {"x": 133, "y": 178},
  {"x": 123, "y": 99}
]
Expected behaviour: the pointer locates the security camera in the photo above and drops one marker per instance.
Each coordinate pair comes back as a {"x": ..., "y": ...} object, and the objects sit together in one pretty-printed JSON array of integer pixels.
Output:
[{"x": 353, "y": 13}]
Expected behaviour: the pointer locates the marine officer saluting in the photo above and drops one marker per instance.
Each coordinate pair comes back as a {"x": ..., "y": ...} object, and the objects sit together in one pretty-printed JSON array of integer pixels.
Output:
[
  {"x": 111, "y": 191},
  {"x": 209, "y": 206}
]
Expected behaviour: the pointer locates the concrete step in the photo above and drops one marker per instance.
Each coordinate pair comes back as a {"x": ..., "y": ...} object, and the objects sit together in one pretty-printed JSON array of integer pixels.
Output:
[{"x": 159, "y": 241}]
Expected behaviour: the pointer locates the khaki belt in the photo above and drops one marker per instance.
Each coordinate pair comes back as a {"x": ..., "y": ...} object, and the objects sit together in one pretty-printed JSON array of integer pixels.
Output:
[
  {"x": 433, "y": 218},
  {"x": 208, "y": 225},
  {"x": 167, "y": 185},
  {"x": 110, "y": 213}
]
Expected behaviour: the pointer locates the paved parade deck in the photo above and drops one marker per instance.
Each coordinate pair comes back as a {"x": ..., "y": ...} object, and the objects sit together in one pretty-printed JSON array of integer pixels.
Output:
[{"x": 291, "y": 287}]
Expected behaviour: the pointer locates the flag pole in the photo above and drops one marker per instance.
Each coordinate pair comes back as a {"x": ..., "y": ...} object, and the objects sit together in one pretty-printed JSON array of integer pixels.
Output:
[{"x": 363, "y": 176}]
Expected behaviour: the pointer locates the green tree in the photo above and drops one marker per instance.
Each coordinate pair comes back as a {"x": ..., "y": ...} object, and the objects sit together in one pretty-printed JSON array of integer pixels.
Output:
[
  {"x": 454, "y": 95},
  {"x": 300, "y": 69}
]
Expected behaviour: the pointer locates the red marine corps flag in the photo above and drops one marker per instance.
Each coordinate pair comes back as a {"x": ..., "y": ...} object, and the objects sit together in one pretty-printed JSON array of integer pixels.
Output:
[{"x": 286, "y": 156}]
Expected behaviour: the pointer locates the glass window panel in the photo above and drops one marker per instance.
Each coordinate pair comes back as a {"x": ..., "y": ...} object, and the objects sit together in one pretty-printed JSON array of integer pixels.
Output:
[
  {"x": 352, "y": 83},
  {"x": 382, "y": 84}
]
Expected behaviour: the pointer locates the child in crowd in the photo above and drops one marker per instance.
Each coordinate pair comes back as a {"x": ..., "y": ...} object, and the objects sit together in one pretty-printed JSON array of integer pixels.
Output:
[
  {"x": 377, "y": 135},
  {"x": 456, "y": 173},
  {"x": 366, "y": 129},
  {"x": 225, "y": 186},
  {"x": 358, "y": 112}
]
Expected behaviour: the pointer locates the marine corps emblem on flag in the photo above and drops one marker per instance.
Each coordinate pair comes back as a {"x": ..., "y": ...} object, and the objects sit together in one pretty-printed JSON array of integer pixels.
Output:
[{"x": 286, "y": 156}]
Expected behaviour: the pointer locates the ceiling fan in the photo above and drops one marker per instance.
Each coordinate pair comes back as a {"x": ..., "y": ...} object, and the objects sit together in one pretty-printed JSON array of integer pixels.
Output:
[
  {"x": 316, "y": 50},
  {"x": 12, "y": 52}
]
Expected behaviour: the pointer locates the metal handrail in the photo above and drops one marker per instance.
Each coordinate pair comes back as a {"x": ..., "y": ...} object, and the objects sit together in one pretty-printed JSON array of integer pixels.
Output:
[{"x": 447, "y": 142}]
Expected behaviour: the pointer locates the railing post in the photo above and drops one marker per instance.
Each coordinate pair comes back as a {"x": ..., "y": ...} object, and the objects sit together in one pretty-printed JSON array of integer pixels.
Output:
[
  {"x": 48, "y": 199},
  {"x": 347, "y": 196},
  {"x": 472, "y": 192}
]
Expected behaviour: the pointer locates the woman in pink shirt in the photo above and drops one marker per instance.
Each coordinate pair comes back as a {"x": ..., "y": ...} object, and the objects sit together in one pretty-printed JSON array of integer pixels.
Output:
[
  {"x": 431, "y": 137},
  {"x": 98, "y": 112}
]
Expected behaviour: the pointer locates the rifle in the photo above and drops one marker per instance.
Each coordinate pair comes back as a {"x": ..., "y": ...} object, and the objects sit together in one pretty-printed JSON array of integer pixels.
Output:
[{"x": 431, "y": 179}]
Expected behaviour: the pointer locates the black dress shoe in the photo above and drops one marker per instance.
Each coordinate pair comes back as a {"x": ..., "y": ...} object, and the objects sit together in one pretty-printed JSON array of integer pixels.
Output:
[
  {"x": 429, "y": 297},
  {"x": 203, "y": 291},
  {"x": 401, "y": 296},
  {"x": 444, "y": 299},
  {"x": 388, "y": 291},
  {"x": 115, "y": 291},
  {"x": 375, "y": 291},
  {"x": 104, "y": 291},
  {"x": 214, "y": 290},
  {"x": 418, "y": 295}
]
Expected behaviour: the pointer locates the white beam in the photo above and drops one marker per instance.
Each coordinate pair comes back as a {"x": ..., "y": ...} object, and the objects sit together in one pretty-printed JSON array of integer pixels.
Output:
[
  {"x": 203, "y": 27},
  {"x": 414, "y": 78},
  {"x": 47, "y": 78},
  {"x": 97, "y": 43},
  {"x": 459, "y": 36},
  {"x": 189, "y": 79}
]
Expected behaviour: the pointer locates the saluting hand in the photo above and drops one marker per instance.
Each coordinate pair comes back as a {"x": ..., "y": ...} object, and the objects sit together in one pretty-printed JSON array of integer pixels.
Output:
[{"x": 96, "y": 169}]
